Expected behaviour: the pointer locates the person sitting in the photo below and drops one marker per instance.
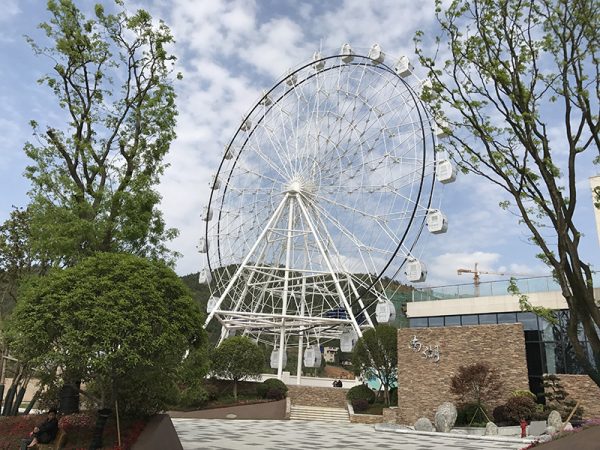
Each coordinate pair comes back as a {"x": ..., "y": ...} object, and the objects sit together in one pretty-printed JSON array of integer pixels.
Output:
[
  {"x": 339, "y": 383},
  {"x": 43, "y": 434}
]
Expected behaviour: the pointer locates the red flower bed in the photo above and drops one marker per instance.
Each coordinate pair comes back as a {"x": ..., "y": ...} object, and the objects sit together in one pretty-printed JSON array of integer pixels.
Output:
[{"x": 79, "y": 429}]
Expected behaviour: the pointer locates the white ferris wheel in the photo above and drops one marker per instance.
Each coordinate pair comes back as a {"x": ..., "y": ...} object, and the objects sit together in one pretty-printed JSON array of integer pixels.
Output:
[{"x": 318, "y": 203}]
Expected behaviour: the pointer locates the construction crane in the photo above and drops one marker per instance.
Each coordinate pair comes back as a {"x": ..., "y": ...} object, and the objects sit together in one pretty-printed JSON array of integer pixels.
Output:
[{"x": 477, "y": 279}]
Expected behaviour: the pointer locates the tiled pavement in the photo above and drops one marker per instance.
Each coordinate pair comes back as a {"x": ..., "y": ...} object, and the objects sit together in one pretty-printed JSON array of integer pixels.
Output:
[{"x": 284, "y": 434}]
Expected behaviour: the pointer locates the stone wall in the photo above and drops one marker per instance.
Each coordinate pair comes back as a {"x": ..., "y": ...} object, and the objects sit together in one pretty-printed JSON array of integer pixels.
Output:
[
  {"x": 366, "y": 418},
  {"x": 318, "y": 396},
  {"x": 581, "y": 388},
  {"x": 423, "y": 384}
]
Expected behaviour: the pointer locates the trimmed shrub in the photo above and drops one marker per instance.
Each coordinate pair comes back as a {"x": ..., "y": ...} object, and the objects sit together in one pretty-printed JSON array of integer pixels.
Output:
[
  {"x": 500, "y": 414},
  {"x": 275, "y": 394},
  {"x": 262, "y": 390},
  {"x": 193, "y": 397},
  {"x": 360, "y": 404},
  {"x": 520, "y": 408},
  {"x": 362, "y": 391},
  {"x": 470, "y": 413}
]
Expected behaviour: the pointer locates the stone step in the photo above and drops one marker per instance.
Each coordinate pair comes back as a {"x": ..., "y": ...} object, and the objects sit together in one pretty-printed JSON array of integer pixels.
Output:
[{"x": 315, "y": 413}]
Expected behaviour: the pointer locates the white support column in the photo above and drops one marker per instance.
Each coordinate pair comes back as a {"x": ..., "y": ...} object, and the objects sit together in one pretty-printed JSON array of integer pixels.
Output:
[
  {"x": 301, "y": 338},
  {"x": 234, "y": 278},
  {"x": 284, "y": 297},
  {"x": 336, "y": 281}
]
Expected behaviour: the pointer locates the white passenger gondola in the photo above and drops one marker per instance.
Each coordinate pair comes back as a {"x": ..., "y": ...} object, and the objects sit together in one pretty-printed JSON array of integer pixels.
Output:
[
  {"x": 376, "y": 54},
  {"x": 403, "y": 67},
  {"x": 415, "y": 271},
  {"x": 437, "y": 222},
  {"x": 385, "y": 311},
  {"x": 204, "y": 277},
  {"x": 347, "y": 340},
  {"x": 275, "y": 359},
  {"x": 445, "y": 171},
  {"x": 212, "y": 303},
  {"x": 202, "y": 245},
  {"x": 347, "y": 53}
]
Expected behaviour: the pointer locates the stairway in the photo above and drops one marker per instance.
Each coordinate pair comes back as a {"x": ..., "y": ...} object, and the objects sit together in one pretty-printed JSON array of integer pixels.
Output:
[{"x": 319, "y": 413}]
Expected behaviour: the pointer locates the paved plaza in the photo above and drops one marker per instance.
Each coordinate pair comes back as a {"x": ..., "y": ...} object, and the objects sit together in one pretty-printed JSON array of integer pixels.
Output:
[{"x": 285, "y": 434}]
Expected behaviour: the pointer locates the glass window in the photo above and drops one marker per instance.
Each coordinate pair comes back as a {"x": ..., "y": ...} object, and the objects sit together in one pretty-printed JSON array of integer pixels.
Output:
[
  {"x": 418, "y": 322},
  {"x": 551, "y": 355},
  {"x": 470, "y": 319},
  {"x": 507, "y": 317},
  {"x": 487, "y": 319},
  {"x": 436, "y": 321},
  {"x": 528, "y": 319},
  {"x": 450, "y": 321},
  {"x": 534, "y": 359}
]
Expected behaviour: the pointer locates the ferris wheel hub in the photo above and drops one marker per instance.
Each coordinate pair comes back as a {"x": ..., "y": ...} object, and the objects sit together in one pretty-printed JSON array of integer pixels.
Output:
[{"x": 301, "y": 186}]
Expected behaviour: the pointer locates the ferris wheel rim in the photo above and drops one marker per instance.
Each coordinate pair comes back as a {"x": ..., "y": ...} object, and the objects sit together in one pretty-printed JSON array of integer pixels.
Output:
[{"x": 365, "y": 61}]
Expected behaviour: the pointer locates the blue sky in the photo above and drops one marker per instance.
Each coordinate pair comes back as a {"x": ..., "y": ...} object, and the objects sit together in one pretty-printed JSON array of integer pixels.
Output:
[{"x": 228, "y": 52}]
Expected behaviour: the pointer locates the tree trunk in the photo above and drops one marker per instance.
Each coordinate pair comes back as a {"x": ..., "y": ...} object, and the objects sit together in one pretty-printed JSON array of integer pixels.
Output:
[
  {"x": 235, "y": 390},
  {"x": 103, "y": 415}
]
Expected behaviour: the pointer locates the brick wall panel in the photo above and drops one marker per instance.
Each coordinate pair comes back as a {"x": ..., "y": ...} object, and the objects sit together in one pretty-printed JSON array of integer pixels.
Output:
[{"x": 423, "y": 385}]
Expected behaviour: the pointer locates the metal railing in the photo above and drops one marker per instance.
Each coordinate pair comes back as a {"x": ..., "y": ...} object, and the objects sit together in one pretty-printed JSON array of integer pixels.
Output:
[{"x": 486, "y": 289}]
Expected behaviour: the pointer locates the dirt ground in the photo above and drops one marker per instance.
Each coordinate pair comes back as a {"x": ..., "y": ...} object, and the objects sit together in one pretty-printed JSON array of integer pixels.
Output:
[{"x": 269, "y": 410}]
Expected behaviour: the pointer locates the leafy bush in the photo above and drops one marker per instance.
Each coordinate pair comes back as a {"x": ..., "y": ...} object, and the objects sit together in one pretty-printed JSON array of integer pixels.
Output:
[
  {"x": 520, "y": 408},
  {"x": 271, "y": 384},
  {"x": 501, "y": 414},
  {"x": 524, "y": 393},
  {"x": 361, "y": 391},
  {"x": 275, "y": 394},
  {"x": 470, "y": 414},
  {"x": 212, "y": 392},
  {"x": 193, "y": 397},
  {"x": 477, "y": 384},
  {"x": 360, "y": 404}
]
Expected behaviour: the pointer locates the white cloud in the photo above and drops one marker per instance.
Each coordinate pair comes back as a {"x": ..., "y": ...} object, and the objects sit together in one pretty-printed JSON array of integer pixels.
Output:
[{"x": 10, "y": 8}]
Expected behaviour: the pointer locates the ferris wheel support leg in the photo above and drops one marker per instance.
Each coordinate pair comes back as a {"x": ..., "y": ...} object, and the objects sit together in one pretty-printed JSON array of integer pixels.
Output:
[
  {"x": 301, "y": 338},
  {"x": 350, "y": 281},
  {"x": 286, "y": 280},
  {"x": 299, "y": 365},
  {"x": 336, "y": 281},
  {"x": 274, "y": 217}
]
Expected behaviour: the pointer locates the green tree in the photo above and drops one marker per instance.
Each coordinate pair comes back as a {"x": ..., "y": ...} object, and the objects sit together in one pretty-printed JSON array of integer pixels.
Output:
[
  {"x": 376, "y": 355},
  {"x": 117, "y": 322},
  {"x": 237, "y": 358},
  {"x": 93, "y": 172},
  {"x": 520, "y": 90}
]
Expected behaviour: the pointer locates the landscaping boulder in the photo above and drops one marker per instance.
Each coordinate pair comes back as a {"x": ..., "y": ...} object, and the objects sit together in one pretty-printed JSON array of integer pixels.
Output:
[
  {"x": 554, "y": 420},
  {"x": 491, "y": 429},
  {"x": 568, "y": 427},
  {"x": 423, "y": 424},
  {"x": 445, "y": 417},
  {"x": 550, "y": 430}
]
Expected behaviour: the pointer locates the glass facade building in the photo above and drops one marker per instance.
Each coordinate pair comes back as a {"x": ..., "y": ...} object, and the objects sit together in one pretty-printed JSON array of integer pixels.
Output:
[{"x": 547, "y": 347}]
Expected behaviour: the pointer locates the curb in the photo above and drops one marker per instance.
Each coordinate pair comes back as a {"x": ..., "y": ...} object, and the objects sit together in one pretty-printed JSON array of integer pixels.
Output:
[{"x": 390, "y": 428}]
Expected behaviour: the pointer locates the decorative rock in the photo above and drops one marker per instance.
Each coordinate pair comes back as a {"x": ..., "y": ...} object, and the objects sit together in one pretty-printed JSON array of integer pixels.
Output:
[
  {"x": 231, "y": 416},
  {"x": 491, "y": 429},
  {"x": 568, "y": 427},
  {"x": 550, "y": 430},
  {"x": 544, "y": 438},
  {"x": 423, "y": 424},
  {"x": 554, "y": 420},
  {"x": 445, "y": 417}
]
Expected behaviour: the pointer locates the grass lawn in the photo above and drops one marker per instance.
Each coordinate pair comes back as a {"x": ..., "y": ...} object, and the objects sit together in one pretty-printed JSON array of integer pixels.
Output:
[{"x": 79, "y": 429}]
